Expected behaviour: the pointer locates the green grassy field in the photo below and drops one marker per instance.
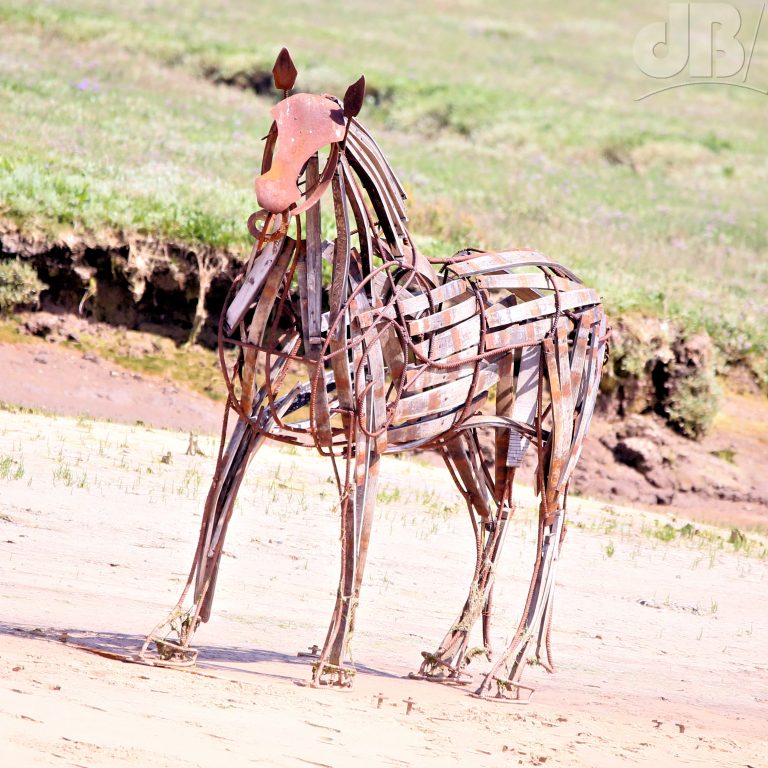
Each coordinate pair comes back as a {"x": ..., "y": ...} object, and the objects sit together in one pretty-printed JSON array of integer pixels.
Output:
[{"x": 511, "y": 125}]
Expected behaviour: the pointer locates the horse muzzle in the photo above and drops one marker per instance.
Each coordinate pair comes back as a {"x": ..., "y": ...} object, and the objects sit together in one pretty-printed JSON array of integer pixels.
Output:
[{"x": 275, "y": 191}]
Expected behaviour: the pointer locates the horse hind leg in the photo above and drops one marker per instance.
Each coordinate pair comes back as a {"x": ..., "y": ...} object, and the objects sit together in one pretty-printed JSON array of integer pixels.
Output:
[
  {"x": 571, "y": 409},
  {"x": 488, "y": 505}
]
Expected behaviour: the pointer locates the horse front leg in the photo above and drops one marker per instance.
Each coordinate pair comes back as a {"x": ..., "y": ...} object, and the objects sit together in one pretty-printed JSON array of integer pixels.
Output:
[
  {"x": 184, "y": 619},
  {"x": 357, "y": 497}
]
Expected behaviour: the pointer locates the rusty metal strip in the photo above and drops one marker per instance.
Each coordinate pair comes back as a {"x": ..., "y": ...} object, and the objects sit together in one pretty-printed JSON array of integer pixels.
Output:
[
  {"x": 462, "y": 336},
  {"x": 361, "y": 216},
  {"x": 583, "y": 328},
  {"x": 414, "y": 304},
  {"x": 504, "y": 260},
  {"x": 427, "y": 428},
  {"x": 524, "y": 408},
  {"x": 423, "y": 376},
  {"x": 546, "y": 305},
  {"x": 442, "y": 397},
  {"x": 269, "y": 294},
  {"x": 252, "y": 284},
  {"x": 514, "y": 280},
  {"x": 445, "y": 318},
  {"x": 528, "y": 333}
]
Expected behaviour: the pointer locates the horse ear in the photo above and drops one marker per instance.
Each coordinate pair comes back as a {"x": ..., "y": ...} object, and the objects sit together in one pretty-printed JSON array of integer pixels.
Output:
[
  {"x": 353, "y": 98},
  {"x": 284, "y": 71}
]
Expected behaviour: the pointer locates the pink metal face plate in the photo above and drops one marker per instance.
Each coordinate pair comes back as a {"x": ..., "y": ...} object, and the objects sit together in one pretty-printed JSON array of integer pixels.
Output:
[{"x": 305, "y": 123}]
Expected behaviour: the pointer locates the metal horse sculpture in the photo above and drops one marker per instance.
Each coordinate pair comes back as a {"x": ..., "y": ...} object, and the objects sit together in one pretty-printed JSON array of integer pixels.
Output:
[{"x": 399, "y": 352}]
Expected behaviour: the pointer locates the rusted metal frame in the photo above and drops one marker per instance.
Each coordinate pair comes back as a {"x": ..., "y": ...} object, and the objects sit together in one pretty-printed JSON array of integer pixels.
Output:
[{"x": 437, "y": 358}]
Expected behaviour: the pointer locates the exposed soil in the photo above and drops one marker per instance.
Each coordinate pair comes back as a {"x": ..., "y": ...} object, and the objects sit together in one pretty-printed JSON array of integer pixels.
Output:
[
  {"x": 98, "y": 523},
  {"x": 127, "y": 281}
]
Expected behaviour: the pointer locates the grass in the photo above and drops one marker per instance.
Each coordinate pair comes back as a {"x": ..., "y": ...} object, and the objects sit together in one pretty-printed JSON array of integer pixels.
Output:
[
  {"x": 508, "y": 126},
  {"x": 10, "y": 468}
]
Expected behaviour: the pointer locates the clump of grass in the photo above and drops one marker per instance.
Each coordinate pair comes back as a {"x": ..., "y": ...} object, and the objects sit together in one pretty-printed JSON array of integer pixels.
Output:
[
  {"x": 19, "y": 285},
  {"x": 10, "y": 468},
  {"x": 666, "y": 532},
  {"x": 388, "y": 495},
  {"x": 726, "y": 454},
  {"x": 693, "y": 403},
  {"x": 738, "y": 539},
  {"x": 63, "y": 474}
]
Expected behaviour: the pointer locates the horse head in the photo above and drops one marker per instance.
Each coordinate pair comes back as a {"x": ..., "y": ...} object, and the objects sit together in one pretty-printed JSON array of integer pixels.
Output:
[{"x": 303, "y": 124}]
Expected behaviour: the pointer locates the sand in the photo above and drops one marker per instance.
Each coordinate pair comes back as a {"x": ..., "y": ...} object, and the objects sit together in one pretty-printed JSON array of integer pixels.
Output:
[{"x": 660, "y": 646}]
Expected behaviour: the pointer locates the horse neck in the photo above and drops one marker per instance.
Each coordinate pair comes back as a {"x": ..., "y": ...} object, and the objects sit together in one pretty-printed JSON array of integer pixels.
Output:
[{"x": 388, "y": 198}]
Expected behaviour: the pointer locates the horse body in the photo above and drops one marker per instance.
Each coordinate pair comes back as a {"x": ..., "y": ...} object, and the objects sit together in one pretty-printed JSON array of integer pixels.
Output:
[{"x": 402, "y": 354}]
